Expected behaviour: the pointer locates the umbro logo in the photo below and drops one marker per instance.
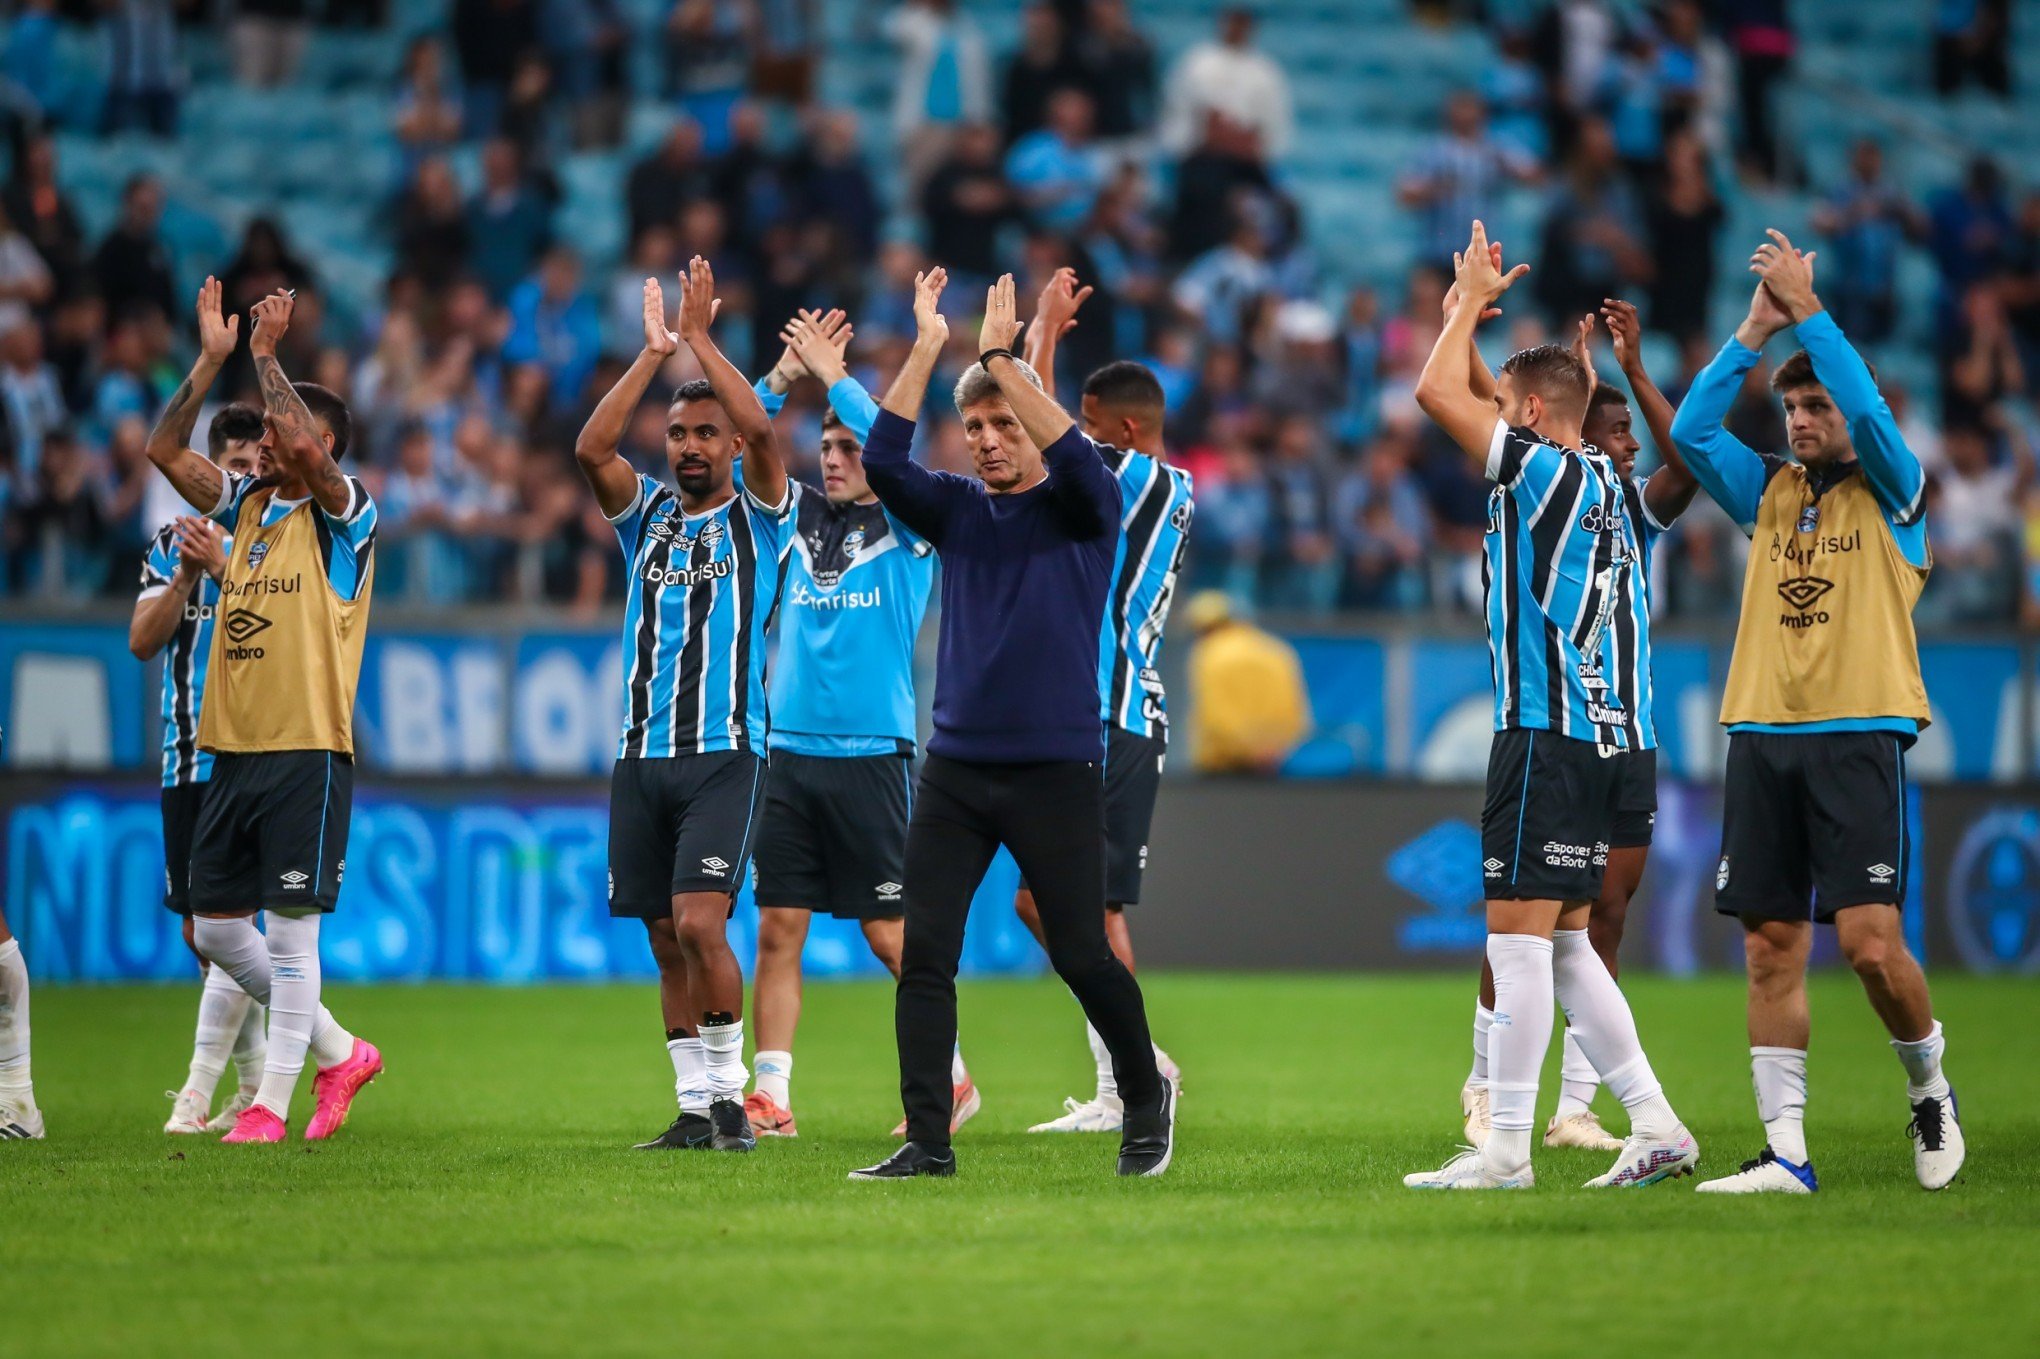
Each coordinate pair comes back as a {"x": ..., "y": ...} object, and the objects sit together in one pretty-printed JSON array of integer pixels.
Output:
[
  {"x": 296, "y": 880},
  {"x": 1881, "y": 873},
  {"x": 715, "y": 866},
  {"x": 242, "y": 624},
  {"x": 888, "y": 891},
  {"x": 1803, "y": 592},
  {"x": 1494, "y": 866}
]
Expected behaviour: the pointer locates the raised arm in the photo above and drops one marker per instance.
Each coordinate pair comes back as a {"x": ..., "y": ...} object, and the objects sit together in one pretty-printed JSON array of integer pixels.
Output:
[
  {"x": 1892, "y": 468},
  {"x": 764, "y": 468},
  {"x": 1055, "y": 315},
  {"x": 1077, "y": 475},
  {"x": 1445, "y": 388},
  {"x": 194, "y": 475},
  {"x": 611, "y": 476},
  {"x": 301, "y": 455},
  {"x": 1728, "y": 469},
  {"x": 915, "y": 495},
  {"x": 1671, "y": 488}
]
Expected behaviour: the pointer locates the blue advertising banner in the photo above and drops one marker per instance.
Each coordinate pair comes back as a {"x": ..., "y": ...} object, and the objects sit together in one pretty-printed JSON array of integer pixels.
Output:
[{"x": 455, "y": 882}]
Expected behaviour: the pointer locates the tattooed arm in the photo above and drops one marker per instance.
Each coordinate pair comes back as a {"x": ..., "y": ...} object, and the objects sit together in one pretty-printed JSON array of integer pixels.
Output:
[
  {"x": 301, "y": 454},
  {"x": 191, "y": 472}
]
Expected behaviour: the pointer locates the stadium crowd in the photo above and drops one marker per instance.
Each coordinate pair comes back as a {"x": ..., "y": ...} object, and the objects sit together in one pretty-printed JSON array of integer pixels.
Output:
[{"x": 1161, "y": 181}]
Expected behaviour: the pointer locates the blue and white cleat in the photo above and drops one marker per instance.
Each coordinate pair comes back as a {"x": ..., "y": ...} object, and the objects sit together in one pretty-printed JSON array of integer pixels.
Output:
[
  {"x": 1646, "y": 1160},
  {"x": 1470, "y": 1170},
  {"x": 1938, "y": 1149},
  {"x": 1768, "y": 1174}
]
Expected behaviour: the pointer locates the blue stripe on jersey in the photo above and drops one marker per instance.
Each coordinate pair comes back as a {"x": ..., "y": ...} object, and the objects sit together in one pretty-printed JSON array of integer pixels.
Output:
[
  {"x": 185, "y": 659},
  {"x": 1556, "y": 546},
  {"x": 1626, "y": 657},
  {"x": 701, "y": 594},
  {"x": 1154, "y": 526},
  {"x": 857, "y": 584}
]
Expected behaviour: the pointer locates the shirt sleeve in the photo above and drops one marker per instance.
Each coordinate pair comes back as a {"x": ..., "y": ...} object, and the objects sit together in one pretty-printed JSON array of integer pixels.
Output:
[
  {"x": 854, "y": 406},
  {"x": 1892, "y": 469},
  {"x": 159, "y": 563},
  {"x": 772, "y": 401},
  {"x": 1082, "y": 484},
  {"x": 917, "y": 497},
  {"x": 1521, "y": 463},
  {"x": 234, "y": 488},
  {"x": 1650, "y": 524},
  {"x": 352, "y": 535},
  {"x": 1728, "y": 469},
  {"x": 628, "y": 519},
  {"x": 777, "y": 512}
]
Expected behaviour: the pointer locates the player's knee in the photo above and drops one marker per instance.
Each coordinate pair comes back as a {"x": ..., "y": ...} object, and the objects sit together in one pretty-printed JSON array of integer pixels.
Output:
[
  {"x": 1872, "y": 955},
  {"x": 665, "y": 945},
  {"x": 780, "y": 934},
  {"x": 1772, "y": 967},
  {"x": 700, "y": 931}
]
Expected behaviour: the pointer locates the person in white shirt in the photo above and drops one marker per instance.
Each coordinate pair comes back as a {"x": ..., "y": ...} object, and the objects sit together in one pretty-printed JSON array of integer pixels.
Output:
[{"x": 1228, "y": 75}]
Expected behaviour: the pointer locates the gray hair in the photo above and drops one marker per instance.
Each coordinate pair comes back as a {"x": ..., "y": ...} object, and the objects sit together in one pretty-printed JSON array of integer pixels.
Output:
[{"x": 977, "y": 385}]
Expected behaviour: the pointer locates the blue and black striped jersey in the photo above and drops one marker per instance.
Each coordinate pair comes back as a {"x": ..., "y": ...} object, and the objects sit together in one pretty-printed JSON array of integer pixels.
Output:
[
  {"x": 1154, "y": 526},
  {"x": 184, "y": 663}
]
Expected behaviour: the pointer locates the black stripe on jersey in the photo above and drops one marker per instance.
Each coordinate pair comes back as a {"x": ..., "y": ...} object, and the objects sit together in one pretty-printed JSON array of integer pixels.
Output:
[
  {"x": 184, "y": 655},
  {"x": 324, "y": 532},
  {"x": 1549, "y": 525},
  {"x": 1509, "y": 685},
  {"x": 645, "y": 651},
  {"x": 691, "y": 665},
  {"x": 1141, "y": 525},
  {"x": 743, "y": 579},
  {"x": 1630, "y": 615}
]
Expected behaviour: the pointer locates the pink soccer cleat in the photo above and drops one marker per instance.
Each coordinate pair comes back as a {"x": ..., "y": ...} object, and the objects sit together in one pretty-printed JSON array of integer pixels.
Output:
[
  {"x": 257, "y": 1124},
  {"x": 336, "y": 1086}
]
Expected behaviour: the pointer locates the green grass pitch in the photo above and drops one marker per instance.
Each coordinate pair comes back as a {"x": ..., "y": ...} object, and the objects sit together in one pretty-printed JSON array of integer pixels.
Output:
[{"x": 485, "y": 1200}]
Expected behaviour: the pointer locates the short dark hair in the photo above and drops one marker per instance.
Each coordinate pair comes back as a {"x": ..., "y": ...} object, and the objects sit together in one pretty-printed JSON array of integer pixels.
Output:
[
  {"x": 1604, "y": 395},
  {"x": 326, "y": 407},
  {"x": 831, "y": 420},
  {"x": 1126, "y": 385},
  {"x": 236, "y": 423},
  {"x": 700, "y": 389},
  {"x": 1797, "y": 371},
  {"x": 1552, "y": 372}
]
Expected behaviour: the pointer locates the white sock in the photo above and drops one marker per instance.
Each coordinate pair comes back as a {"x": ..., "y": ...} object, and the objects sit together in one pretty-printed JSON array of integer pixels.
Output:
[
  {"x": 1483, "y": 1020},
  {"x": 1108, "y": 1078},
  {"x": 958, "y": 1073},
  {"x": 222, "y": 1006},
  {"x": 237, "y": 946},
  {"x": 294, "y": 1009},
  {"x": 723, "y": 1046},
  {"x": 251, "y": 1046},
  {"x": 1922, "y": 1060},
  {"x": 690, "y": 1074},
  {"x": 16, "y": 1084},
  {"x": 1517, "y": 1041},
  {"x": 1600, "y": 1018},
  {"x": 1577, "y": 1079},
  {"x": 775, "y": 1076},
  {"x": 1780, "y": 1077},
  {"x": 331, "y": 1044}
]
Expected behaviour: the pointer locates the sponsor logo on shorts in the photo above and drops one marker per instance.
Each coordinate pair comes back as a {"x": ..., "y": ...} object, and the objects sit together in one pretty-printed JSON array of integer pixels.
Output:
[
  {"x": 295, "y": 881},
  {"x": 1143, "y": 858},
  {"x": 612, "y": 884},
  {"x": 1557, "y": 855},
  {"x": 339, "y": 872},
  {"x": 1494, "y": 867},
  {"x": 1881, "y": 873},
  {"x": 1721, "y": 875},
  {"x": 888, "y": 891},
  {"x": 715, "y": 867}
]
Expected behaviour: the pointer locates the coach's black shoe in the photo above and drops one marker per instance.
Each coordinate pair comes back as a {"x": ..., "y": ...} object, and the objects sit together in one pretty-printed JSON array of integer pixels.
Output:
[
  {"x": 732, "y": 1127},
  {"x": 910, "y": 1160},
  {"x": 1147, "y": 1140},
  {"x": 690, "y": 1132}
]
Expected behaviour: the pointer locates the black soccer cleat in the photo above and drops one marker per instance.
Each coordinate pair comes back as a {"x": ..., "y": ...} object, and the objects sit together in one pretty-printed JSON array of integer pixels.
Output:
[
  {"x": 910, "y": 1160},
  {"x": 1147, "y": 1140},
  {"x": 690, "y": 1132},
  {"x": 731, "y": 1127}
]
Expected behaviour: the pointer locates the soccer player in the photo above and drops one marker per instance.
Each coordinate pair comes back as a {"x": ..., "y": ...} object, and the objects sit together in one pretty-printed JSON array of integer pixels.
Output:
[
  {"x": 690, "y": 766},
  {"x": 1652, "y": 505},
  {"x": 20, "y": 1119},
  {"x": 834, "y": 831},
  {"x": 1027, "y": 551},
  {"x": 1824, "y": 696},
  {"x": 175, "y": 611},
  {"x": 278, "y": 717},
  {"x": 1559, "y": 553},
  {"x": 1121, "y": 411}
]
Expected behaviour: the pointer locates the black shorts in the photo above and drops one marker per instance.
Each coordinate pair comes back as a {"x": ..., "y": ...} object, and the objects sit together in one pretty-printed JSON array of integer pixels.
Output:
[
  {"x": 680, "y": 823},
  {"x": 272, "y": 832},
  {"x": 1635, "y": 800},
  {"x": 1813, "y": 823},
  {"x": 1133, "y": 778},
  {"x": 180, "y": 823},
  {"x": 1550, "y": 811},
  {"x": 834, "y": 834}
]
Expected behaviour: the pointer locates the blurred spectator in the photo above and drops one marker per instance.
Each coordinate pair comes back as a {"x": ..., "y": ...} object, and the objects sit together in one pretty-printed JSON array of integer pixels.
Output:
[
  {"x": 944, "y": 81},
  {"x": 1056, "y": 170},
  {"x": 1220, "y": 290},
  {"x": 1698, "y": 74},
  {"x": 1513, "y": 90},
  {"x": 433, "y": 237},
  {"x": 1301, "y": 570},
  {"x": 1977, "y": 512},
  {"x": 263, "y": 265},
  {"x": 2020, "y": 286},
  {"x": 1633, "y": 99},
  {"x": 1458, "y": 177},
  {"x": 1384, "y": 530},
  {"x": 1969, "y": 232},
  {"x": 33, "y": 398},
  {"x": 143, "y": 74},
  {"x": 508, "y": 222},
  {"x": 428, "y": 120},
  {"x": 668, "y": 179},
  {"x": 38, "y": 208},
  {"x": 1224, "y": 171},
  {"x": 29, "y": 58},
  {"x": 589, "y": 44},
  {"x": 489, "y": 36},
  {"x": 708, "y": 62},
  {"x": 783, "y": 64},
  {"x": 836, "y": 189},
  {"x": 555, "y": 325},
  {"x": 1761, "y": 34},
  {"x": 1045, "y": 64},
  {"x": 1301, "y": 374},
  {"x": 268, "y": 38},
  {"x": 123, "y": 389},
  {"x": 1685, "y": 221},
  {"x": 655, "y": 254},
  {"x": 57, "y": 527},
  {"x": 1249, "y": 708},
  {"x": 966, "y": 203},
  {"x": 1228, "y": 76},
  {"x": 532, "y": 124},
  {"x": 1594, "y": 242},
  {"x": 1983, "y": 364},
  {"x": 1362, "y": 340},
  {"x": 1119, "y": 70},
  {"x": 132, "y": 265},
  {"x": 25, "y": 282},
  {"x": 1973, "y": 43},
  {"x": 752, "y": 181},
  {"x": 1865, "y": 221}
]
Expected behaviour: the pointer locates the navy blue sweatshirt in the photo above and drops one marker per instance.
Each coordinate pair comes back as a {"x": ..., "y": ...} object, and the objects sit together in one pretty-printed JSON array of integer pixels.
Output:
[{"x": 1024, "y": 578}]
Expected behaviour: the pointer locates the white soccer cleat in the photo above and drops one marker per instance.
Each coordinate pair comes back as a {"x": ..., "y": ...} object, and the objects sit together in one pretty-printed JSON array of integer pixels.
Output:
[
  {"x": 1767, "y": 1174},
  {"x": 1938, "y": 1149},
  {"x": 224, "y": 1120},
  {"x": 1646, "y": 1160},
  {"x": 189, "y": 1114},
  {"x": 1581, "y": 1130},
  {"x": 1473, "y": 1105},
  {"x": 1470, "y": 1170},
  {"x": 20, "y": 1122},
  {"x": 1093, "y": 1115}
]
